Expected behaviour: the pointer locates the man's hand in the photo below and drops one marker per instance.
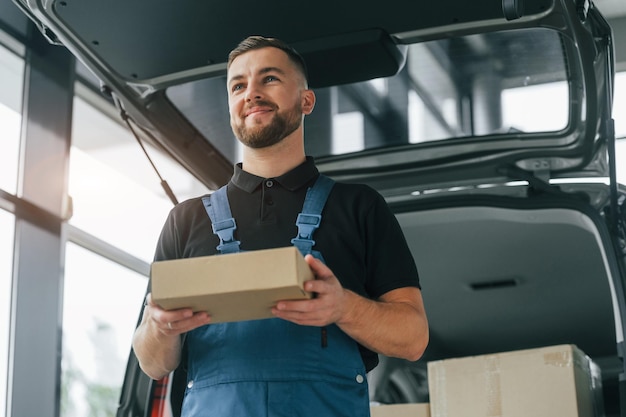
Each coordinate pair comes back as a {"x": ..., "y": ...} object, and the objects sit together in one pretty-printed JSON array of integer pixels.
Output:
[
  {"x": 394, "y": 325},
  {"x": 328, "y": 305},
  {"x": 157, "y": 342},
  {"x": 172, "y": 322}
]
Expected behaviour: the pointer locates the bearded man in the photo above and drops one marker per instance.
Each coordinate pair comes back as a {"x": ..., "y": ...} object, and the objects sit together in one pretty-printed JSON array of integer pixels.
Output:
[{"x": 312, "y": 358}]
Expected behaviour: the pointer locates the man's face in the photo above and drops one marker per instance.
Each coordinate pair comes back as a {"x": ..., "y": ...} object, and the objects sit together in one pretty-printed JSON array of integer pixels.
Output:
[{"x": 265, "y": 93}]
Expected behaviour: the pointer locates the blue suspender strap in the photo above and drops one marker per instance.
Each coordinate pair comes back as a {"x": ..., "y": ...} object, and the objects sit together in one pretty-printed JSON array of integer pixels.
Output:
[
  {"x": 311, "y": 216},
  {"x": 222, "y": 220}
]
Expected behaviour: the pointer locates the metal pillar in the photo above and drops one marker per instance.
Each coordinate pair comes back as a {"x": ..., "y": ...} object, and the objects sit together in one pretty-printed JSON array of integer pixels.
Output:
[{"x": 34, "y": 377}]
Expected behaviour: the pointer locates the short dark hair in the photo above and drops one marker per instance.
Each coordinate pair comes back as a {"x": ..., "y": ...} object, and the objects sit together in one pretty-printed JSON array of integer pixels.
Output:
[{"x": 257, "y": 42}]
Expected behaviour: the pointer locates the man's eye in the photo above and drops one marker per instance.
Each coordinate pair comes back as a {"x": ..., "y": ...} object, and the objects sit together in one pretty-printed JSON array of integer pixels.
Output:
[
  {"x": 237, "y": 87},
  {"x": 270, "y": 78}
]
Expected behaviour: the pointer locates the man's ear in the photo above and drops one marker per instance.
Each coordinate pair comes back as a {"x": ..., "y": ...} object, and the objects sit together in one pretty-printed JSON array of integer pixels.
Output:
[{"x": 308, "y": 101}]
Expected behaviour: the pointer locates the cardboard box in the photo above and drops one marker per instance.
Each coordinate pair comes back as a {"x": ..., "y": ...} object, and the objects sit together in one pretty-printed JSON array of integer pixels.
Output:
[
  {"x": 545, "y": 382},
  {"x": 400, "y": 410},
  {"x": 232, "y": 287}
]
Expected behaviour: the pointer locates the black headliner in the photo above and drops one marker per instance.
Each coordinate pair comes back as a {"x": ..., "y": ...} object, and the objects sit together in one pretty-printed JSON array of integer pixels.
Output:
[{"x": 148, "y": 39}]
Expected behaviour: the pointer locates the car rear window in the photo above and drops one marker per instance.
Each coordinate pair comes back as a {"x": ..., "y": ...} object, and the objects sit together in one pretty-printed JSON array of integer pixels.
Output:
[{"x": 482, "y": 85}]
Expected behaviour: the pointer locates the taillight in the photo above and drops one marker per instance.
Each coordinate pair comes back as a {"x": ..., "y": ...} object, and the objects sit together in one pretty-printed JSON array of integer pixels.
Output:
[{"x": 160, "y": 399}]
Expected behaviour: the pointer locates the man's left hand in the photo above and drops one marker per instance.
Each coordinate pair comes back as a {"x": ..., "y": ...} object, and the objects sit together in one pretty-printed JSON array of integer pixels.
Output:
[{"x": 328, "y": 306}]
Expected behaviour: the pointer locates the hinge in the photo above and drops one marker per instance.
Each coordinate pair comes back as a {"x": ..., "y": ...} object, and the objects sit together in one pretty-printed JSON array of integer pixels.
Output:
[{"x": 541, "y": 168}]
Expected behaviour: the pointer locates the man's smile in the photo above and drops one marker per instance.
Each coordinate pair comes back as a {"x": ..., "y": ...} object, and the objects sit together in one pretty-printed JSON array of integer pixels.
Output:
[{"x": 257, "y": 110}]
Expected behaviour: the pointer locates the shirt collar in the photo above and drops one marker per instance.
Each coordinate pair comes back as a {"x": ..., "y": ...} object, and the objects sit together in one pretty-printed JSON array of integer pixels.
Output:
[{"x": 292, "y": 180}]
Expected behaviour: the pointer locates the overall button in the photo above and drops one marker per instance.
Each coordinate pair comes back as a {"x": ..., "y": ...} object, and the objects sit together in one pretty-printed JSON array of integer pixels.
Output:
[
  {"x": 190, "y": 383},
  {"x": 360, "y": 379},
  {"x": 269, "y": 183}
]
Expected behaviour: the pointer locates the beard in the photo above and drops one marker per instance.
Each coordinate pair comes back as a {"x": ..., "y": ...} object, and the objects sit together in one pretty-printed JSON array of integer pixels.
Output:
[{"x": 263, "y": 136}]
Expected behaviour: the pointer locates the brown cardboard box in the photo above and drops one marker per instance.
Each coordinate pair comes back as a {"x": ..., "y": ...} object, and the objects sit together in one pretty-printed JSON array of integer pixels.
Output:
[
  {"x": 545, "y": 382},
  {"x": 400, "y": 410},
  {"x": 231, "y": 287}
]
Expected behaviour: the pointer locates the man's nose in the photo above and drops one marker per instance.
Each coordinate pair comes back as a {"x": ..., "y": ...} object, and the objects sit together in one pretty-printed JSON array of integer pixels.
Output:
[{"x": 253, "y": 92}]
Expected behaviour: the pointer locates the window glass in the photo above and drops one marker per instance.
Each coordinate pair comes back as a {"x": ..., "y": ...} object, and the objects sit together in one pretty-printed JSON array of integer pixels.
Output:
[
  {"x": 116, "y": 194},
  {"x": 535, "y": 108},
  {"x": 621, "y": 157},
  {"x": 11, "y": 81},
  {"x": 101, "y": 305},
  {"x": 348, "y": 125},
  {"x": 475, "y": 85},
  {"x": 619, "y": 115},
  {"x": 7, "y": 225}
]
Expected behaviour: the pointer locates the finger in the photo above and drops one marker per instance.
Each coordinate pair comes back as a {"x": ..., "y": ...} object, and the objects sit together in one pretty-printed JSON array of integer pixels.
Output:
[
  {"x": 318, "y": 286},
  {"x": 173, "y": 326},
  {"x": 198, "y": 319},
  {"x": 163, "y": 317},
  {"x": 180, "y": 313},
  {"x": 323, "y": 276},
  {"x": 320, "y": 270},
  {"x": 299, "y": 316},
  {"x": 148, "y": 300},
  {"x": 299, "y": 306},
  {"x": 179, "y": 321}
]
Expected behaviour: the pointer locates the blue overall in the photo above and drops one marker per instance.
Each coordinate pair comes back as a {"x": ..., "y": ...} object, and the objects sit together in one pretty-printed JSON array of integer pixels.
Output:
[{"x": 272, "y": 367}]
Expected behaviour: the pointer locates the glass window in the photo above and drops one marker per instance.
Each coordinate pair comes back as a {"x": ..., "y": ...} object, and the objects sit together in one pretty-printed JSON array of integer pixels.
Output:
[
  {"x": 619, "y": 105},
  {"x": 536, "y": 108},
  {"x": 619, "y": 114},
  {"x": 116, "y": 194},
  {"x": 7, "y": 225},
  {"x": 11, "y": 81},
  {"x": 101, "y": 305},
  {"x": 348, "y": 125},
  {"x": 476, "y": 85},
  {"x": 621, "y": 157}
]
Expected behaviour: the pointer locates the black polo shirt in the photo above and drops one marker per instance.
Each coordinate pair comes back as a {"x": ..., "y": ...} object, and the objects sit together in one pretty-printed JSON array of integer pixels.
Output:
[{"x": 359, "y": 237}]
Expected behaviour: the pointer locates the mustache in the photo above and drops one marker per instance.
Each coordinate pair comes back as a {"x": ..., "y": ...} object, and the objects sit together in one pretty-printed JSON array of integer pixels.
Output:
[{"x": 260, "y": 103}]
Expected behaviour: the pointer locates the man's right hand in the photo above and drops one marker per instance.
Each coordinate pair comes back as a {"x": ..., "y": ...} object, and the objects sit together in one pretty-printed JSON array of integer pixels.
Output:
[
  {"x": 173, "y": 322},
  {"x": 157, "y": 341}
]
